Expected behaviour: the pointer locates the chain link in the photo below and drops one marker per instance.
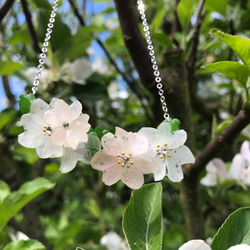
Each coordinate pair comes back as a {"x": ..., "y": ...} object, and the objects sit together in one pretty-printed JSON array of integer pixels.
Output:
[
  {"x": 159, "y": 85},
  {"x": 45, "y": 47}
]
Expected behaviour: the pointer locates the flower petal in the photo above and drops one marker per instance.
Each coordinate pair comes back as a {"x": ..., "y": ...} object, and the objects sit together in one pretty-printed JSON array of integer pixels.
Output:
[
  {"x": 135, "y": 143},
  {"x": 160, "y": 172},
  {"x": 29, "y": 138},
  {"x": 51, "y": 119},
  {"x": 103, "y": 160},
  {"x": 177, "y": 139},
  {"x": 80, "y": 70},
  {"x": 195, "y": 245},
  {"x": 245, "y": 150},
  {"x": 38, "y": 107},
  {"x": 238, "y": 164},
  {"x": 62, "y": 111},
  {"x": 112, "y": 143},
  {"x": 59, "y": 137},
  {"x": 132, "y": 178},
  {"x": 163, "y": 132},
  {"x": 47, "y": 149},
  {"x": 149, "y": 133},
  {"x": 210, "y": 179},
  {"x": 83, "y": 153},
  {"x": 145, "y": 164},
  {"x": 68, "y": 160},
  {"x": 75, "y": 109},
  {"x": 182, "y": 155},
  {"x": 174, "y": 171},
  {"x": 112, "y": 175}
]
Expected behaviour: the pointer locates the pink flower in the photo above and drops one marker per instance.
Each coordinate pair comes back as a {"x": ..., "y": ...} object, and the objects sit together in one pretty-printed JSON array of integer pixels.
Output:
[
  {"x": 123, "y": 157},
  {"x": 71, "y": 126}
]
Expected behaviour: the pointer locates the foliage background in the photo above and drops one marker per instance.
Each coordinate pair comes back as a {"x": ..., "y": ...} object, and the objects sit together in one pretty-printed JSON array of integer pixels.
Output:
[{"x": 121, "y": 92}]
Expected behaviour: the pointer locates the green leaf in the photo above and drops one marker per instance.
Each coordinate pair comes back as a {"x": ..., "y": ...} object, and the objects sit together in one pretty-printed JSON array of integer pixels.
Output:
[
  {"x": 163, "y": 38},
  {"x": 7, "y": 117},
  {"x": 142, "y": 221},
  {"x": 18, "y": 199},
  {"x": 240, "y": 45},
  {"x": 21, "y": 36},
  {"x": 77, "y": 44},
  {"x": 185, "y": 10},
  {"x": 242, "y": 198},
  {"x": 4, "y": 191},
  {"x": 174, "y": 123},
  {"x": 235, "y": 230},
  {"x": 217, "y": 6},
  {"x": 8, "y": 67},
  {"x": 233, "y": 70},
  {"x": 25, "y": 245},
  {"x": 25, "y": 101}
]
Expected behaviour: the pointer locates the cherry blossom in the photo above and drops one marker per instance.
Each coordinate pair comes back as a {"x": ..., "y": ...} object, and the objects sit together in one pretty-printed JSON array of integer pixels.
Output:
[
  {"x": 195, "y": 245},
  {"x": 168, "y": 149},
  {"x": 38, "y": 132},
  {"x": 216, "y": 173},
  {"x": 71, "y": 126},
  {"x": 123, "y": 157}
]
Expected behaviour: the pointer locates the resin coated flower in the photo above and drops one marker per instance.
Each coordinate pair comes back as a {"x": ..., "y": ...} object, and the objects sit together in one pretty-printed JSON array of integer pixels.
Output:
[
  {"x": 240, "y": 247},
  {"x": 168, "y": 149},
  {"x": 38, "y": 132},
  {"x": 71, "y": 126},
  {"x": 123, "y": 157},
  {"x": 195, "y": 245}
]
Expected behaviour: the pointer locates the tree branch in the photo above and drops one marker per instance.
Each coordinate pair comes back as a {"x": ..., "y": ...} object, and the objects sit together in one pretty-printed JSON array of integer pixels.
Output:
[
  {"x": 34, "y": 42},
  {"x": 8, "y": 93},
  {"x": 5, "y": 7},
  {"x": 195, "y": 38},
  {"x": 112, "y": 61}
]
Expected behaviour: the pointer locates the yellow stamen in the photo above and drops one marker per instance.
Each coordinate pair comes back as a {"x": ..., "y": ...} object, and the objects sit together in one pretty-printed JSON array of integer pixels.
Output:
[
  {"x": 131, "y": 162},
  {"x": 123, "y": 153},
  {"x": 119, "y": 162},
  {"x": 158, "y": 146},
  {"x": 157, "y": 150},
  {"x": 161, "y": 157},
  {"x": 165, "y": 144},
  {"x": 128, "y": 166},
  {"x": 123, "y": 165},
  {"x": 118, "y": 155},
  {"x": 130, "y": 154},
  {"x": 168, "y": 155},
  {"x": 170, "y": 149}
]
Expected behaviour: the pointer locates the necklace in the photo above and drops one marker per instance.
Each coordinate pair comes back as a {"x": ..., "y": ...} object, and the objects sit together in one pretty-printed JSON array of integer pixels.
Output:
[{"x": 61, "y": 130}]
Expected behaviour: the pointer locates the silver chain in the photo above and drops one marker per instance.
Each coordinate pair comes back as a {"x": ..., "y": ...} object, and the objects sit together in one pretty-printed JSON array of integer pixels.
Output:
[
  {"x": 159, "y": 85},
  {"x": 44, "y": 48}
]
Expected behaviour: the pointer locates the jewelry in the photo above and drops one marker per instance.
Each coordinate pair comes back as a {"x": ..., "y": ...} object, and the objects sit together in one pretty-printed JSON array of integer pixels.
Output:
[{"x": 61, "y": 130}]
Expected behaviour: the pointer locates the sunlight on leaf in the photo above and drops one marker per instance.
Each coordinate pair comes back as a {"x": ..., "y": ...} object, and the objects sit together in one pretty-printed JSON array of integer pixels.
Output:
[{"x": 24, "y": 245}]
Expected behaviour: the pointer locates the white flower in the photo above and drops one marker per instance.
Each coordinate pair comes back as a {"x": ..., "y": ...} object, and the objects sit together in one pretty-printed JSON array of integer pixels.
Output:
[
  {"x": 240, "y": 168},
  {"x": 216, "y": 173},
  {"x": 71, "y": 126},
  {"x": 112, "y": 241},
  {"x": 195, "y": 245},
  {"x": 18, "y": 236},
  {"x": 38, "y": 132},
  {"x": 167, "y": 147},
  {"x": 240, "y": 247}
]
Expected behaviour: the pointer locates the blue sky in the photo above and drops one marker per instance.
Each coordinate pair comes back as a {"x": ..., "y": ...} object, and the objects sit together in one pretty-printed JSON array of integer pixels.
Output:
[{"x": 17, "y": 86}]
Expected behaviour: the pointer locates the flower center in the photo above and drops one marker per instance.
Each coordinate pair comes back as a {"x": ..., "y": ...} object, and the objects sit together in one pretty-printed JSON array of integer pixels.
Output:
[
  {"x": 66, "y": 125},
  {"x": 47, "y": 129},
  {"x": 125, "y": 160},
  {"x": 163, "y": 151}
]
